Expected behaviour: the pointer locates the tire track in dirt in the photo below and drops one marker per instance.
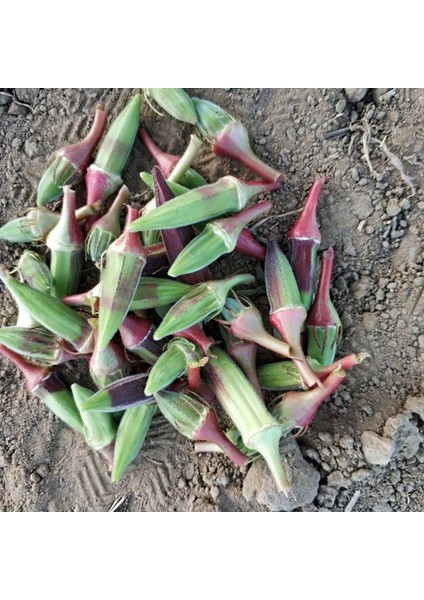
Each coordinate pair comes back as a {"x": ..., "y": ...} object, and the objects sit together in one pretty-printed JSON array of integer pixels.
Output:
[{"x": 94, "y": 487}]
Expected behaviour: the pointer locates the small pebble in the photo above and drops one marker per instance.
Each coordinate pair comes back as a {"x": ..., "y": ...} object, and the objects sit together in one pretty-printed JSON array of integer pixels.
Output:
[{"x": 215, "y": 493}]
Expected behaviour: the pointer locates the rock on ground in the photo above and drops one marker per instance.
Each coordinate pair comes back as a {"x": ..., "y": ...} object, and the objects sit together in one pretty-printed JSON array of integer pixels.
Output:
[
  {"x": 377, "y": 450},
  {"x": 259, "y": 485}
]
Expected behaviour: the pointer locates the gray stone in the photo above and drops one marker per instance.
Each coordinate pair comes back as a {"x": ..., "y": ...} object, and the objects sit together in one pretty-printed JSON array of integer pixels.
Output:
[
  {"x": 360, "y": 474},
  {"x": 382, "y": 507},
  {"x": 419, "y": 281},
  {"x": 355, "y": 94},
  {"x": 259, "y": 485},
  {"x": 405, "y": 204},
  {"x": 349, "y": 249},
  {"x": 415, "y": 405},
  {"x": 327, "y": 496},
  {"x": 341, "y": 105},
  {"x": 32, "y": 149},
  {"x": 17, "y": 110},
  {"x": 340, "y": 283},
  {"x": 362, "y": 206},
  {"x": 27, "y": 95},
  {"x": 215, "y": 493},
  {"x": 5, "y": 99},
  {"x": 17, "y": 143},
  {"x": 377, "y": 450},
  {"x": 405, "y": 435},
  {"x": 393, "y": 207},
  {"x": 369, "y": 321},
  {"x": 338, "y": 480},
  {"x": 346, "y": 441}
]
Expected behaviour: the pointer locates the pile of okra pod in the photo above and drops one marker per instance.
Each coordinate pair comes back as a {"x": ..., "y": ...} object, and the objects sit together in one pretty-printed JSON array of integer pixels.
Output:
[{"x": 158, "y": 332}]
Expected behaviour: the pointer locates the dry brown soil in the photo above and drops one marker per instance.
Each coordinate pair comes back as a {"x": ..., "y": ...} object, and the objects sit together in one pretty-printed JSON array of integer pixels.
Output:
[{"x": 375, "y": 225}]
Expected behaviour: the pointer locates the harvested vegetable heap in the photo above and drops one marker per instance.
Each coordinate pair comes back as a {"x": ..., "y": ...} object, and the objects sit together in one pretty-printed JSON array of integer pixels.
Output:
[{"x": 158, "y": 332}]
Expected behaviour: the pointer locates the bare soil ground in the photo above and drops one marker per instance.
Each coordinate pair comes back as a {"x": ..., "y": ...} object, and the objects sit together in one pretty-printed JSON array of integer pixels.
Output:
[{"x": 374, "y": 222}]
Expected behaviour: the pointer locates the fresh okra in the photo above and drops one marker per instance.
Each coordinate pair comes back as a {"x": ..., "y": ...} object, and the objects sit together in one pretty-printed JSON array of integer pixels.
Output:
[
  {"x": 196, "y": 420},
  {"x": 217, "y": 239},
  {"x": 203, "y": 302},
  {"x": 174, "y": 101},
  {"x": 227, "y": 195},
  {"x": 259, "y": 429},
  {"x": 67, "y": 166},
  {"x": 304, "y": 241},
  {"x": 179, "y": 355},
  {"x": 66, "y": 245},
  {"x": 119, "y": 279},
  {"x": 287, "y": 314}
]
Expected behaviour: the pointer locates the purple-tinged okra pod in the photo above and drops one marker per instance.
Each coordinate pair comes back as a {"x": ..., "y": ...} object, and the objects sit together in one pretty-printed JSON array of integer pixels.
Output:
[
  {"x": 99, "y": 428},
  {"x": 119, "y": 279},
  {"x": 156, "y": 259},
  {"x": 120, "y": 395},
  {"x": 196, "y": 335},
  {"x": 106, "y": 229},
  {"x": 153, "y": 292},
  {"x": 52, "y": 314},
  {"x": 259, "y": 429},
  {"x": 89, "y": 299},
  {"x": 37, "y": 345},
  {"x": 137, "y": 337},
  {"x": 345, "y": 363},
  {"x": 33, "y": 374},
  {"x": 244, "y": 355},
  {"x": 168, "y": 162},
  {"x": 179, "y": 355},
  {"x": 104, "y": 175},
  {"x": 296, "y": 410},
  {"x": 218, "y": 238},
  {"x": 245, "y": 322},
  {"x": 304, "y": 241},
  {"x": 175, "y": 101},
  {"x": 227, "y": 195},
  {"x": 107, "y": 365},
  {"x": 66, "y": 245},
  {"x": 132, "y": 432},
  {"x": 203, "y": 302},
  {"x": 249, "y": 246},
  {"x": 287, "y": 314},
  {"x": 284, "y": 376},
  {"x": 323, "y": 324},
  {"x": 196, "y": 384},
  {"x": 197, "y": 421},
  {"x": 47, "y": 386},
  {"x": 68, "y": 165},
  {"x": 229, "y": 138},
  {"x": 175, "y": 239}
]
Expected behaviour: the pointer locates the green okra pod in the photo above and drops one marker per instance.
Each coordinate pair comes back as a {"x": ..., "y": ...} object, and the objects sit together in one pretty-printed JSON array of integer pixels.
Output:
[
  {"x": 174, "y": 101},
  {"x": 124, "y": 263},
  {"x": 66, "y": 244},
  {"x": 52, "y": 314},
  {"x": 227, "y": 195},
  {"x": 204, "y": 301},
  {"x": 132, "y": 432},
  {"x": 259, "y": 429},
  {"x": 99, "y": 429},
  {"x": 179, "y": 355}
]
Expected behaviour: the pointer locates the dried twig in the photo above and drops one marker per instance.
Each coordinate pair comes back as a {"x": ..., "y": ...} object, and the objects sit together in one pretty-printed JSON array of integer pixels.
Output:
[
  {"x": 353, "y": 501},
  {"x": 281, "y": 216},
  {"x": 397, "y": 163}
]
